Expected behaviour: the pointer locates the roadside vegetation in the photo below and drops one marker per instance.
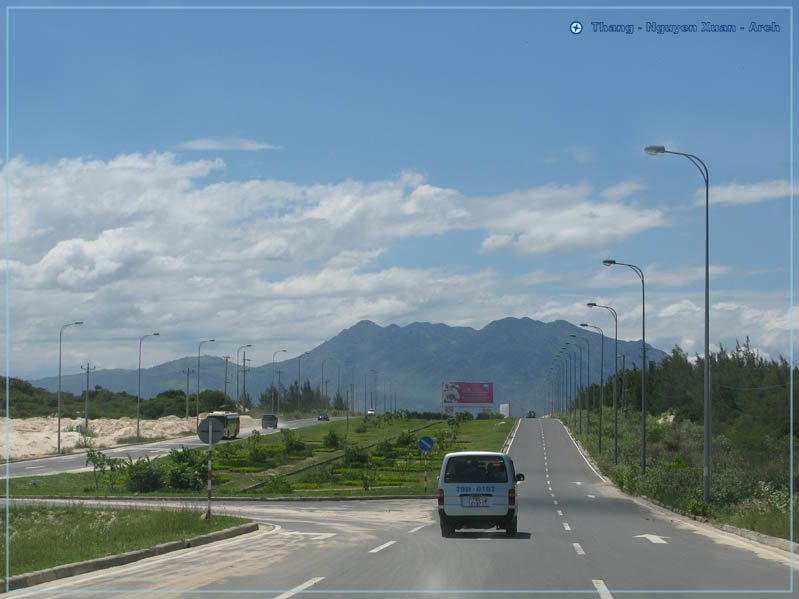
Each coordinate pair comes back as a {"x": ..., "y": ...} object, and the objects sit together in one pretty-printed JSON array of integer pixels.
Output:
[
  {"x": 85, "y": 533},
  {"x": 373, "y": 455},
  {"x": 750, "y": 470}
]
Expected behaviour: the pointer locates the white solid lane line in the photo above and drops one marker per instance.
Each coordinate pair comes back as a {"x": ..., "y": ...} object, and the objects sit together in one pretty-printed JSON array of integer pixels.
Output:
[
  {"x": 383, "y": 546},
  {"x": 33, "y": 467},
  {"x": 579, "y": 550},
  {"x": 604, "y": 593},
  {"x": 299, "y": 589}
]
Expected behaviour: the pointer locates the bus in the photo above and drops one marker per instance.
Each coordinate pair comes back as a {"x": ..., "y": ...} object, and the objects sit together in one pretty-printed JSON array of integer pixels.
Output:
[{"x": 228, "y": 421}]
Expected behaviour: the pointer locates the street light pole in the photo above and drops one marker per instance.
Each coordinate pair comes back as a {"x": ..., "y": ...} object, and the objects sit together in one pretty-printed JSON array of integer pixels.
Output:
[
  {"x": 238, "y": 397},
  {"x": 274, "y": 353},
  {"x": 60, "y": 335},
  {"x": 615, "y": 380},
  {"x": 588, "y": 375},
  {"x": 640, "y": 274},
  {"x": 197, "y": 399},
  {"x": 601, "y": 379},
  {"x": 138, "y": 393},
  {"x": 708, "y": 398},
  {"x": 299, "y": 380},
  {"x": 187, "y": 372}
]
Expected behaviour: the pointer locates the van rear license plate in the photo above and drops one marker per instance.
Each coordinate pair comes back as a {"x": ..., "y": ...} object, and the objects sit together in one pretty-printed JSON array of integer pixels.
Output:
[{"x": 474, "y": 501}]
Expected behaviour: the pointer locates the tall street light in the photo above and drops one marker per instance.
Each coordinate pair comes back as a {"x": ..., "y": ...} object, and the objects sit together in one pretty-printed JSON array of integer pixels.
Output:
[
  {"x": 588, "y": 379},
  {"x": 640, "y": 274},
  {"x": 197, "y": 399},
  {"x": 238, "y": 397},
  {"x": 274, "y": 353},
  {"x": 138, "y": 393},
  {"x": 60, "y": 335},
  {"x": 299, "y": 380},
  {"x": 703, "y": 170},
  {"x": 601, "y": 378},
  {"x": 615, "y": 380},
  {"x": 579, "y": 394}
]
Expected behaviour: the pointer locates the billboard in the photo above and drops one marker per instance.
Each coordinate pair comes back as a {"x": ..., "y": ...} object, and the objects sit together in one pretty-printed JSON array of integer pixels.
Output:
[{"x": 467, "y": 394}]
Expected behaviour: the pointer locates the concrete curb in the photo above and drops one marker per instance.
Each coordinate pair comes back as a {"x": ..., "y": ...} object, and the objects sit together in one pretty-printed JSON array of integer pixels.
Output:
[
  {"x": 41, "y": 576},
  {"x": 751, "y": 535}
]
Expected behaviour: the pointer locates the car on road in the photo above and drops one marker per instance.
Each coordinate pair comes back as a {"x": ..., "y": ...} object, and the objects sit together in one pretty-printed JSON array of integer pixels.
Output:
[
  {"x": 269, "y": 421},
  {"x": 531, "y": 414},
  {"x": 323, "y": 416},
  {"x": 370, "y": 412},
  {"x": 477, "y": 489}
]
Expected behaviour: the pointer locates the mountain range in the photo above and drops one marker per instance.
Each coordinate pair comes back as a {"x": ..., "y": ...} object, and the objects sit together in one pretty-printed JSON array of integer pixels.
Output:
[{"x": 409, "y": 363}]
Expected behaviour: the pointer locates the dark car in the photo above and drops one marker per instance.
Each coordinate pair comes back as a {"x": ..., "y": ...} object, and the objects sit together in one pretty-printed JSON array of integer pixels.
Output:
[
  {"x": 269, "y": 420},
  {"x": 531, "y": 414},
  {"x": 323, "y": 416}
]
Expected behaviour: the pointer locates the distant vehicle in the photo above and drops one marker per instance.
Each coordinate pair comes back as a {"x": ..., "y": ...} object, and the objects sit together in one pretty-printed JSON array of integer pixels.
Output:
[
  {"x": 323, "y": 416},
  {"x": 269, "y": 421},
  {"x": 370, "y": 412},
  {"x": 531, "y": 414},
  {"x": 477, "y": 489},
  {"x": 229, "y": 421}
]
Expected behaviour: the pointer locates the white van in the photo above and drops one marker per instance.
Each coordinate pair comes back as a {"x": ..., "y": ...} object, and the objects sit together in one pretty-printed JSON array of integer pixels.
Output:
[{"x": 477, "y": 489}]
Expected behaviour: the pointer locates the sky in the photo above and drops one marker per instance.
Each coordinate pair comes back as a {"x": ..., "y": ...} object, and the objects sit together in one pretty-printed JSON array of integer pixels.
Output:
[{"x": 271, "y": 176}]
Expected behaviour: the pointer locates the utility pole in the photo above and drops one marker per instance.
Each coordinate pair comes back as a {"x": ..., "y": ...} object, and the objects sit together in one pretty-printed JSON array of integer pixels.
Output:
[
  {"x": 88, "y": 369},
  {"x": 244, "y": 374},
  {"x": 226, "y": 381},
  {"x": 187, "y": 372},
  {"x": 276, "y": 409}
]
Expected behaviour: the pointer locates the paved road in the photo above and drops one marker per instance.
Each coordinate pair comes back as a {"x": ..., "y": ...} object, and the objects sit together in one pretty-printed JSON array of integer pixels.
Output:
[
  {"x": 577, "y": 535},
  {"x": 75, "y": 462}
]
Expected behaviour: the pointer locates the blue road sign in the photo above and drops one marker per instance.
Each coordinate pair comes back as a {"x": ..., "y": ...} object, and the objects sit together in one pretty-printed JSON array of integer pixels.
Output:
[{"x": 426, "y": 444}]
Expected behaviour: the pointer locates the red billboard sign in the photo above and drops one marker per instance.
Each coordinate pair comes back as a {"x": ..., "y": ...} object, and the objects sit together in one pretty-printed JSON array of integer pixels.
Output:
[{"x": 467, "y": 393}]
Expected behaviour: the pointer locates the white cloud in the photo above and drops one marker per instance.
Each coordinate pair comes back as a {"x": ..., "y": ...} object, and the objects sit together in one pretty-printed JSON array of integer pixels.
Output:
[
  {"x": 227, "y": 143},
  {"x": 143, "y": 242},
  {"x": 622, "y": 190},
  {"x": 747, "y": 193},
  {"x": 554, "y": 218}
]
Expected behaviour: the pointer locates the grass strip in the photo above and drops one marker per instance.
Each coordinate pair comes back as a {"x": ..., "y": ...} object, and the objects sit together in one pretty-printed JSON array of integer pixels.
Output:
[{"x": 44, "y": 537}]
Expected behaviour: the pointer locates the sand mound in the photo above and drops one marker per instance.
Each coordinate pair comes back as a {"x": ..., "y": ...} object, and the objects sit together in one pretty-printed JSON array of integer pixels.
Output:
[{"x": 37, "y": 437}]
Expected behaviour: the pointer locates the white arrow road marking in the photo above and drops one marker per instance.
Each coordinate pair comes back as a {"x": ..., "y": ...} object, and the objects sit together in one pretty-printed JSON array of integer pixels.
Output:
[
  {"x": 383, "y": 546},
  {"x": 653, "y": 538},
  {"x": 299, "y": 589},
  {"x": 313, "y": 536},
  {"x": 578, "y": 549},
  {"x": 604, "y": 593}
]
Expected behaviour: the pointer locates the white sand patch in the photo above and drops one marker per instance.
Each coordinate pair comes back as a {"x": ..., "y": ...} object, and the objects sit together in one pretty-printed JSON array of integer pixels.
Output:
[{"x": 37, "y": 437}]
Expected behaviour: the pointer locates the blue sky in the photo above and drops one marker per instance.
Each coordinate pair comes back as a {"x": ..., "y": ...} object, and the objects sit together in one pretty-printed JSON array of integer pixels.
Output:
[{"x": 274, "y": 176}]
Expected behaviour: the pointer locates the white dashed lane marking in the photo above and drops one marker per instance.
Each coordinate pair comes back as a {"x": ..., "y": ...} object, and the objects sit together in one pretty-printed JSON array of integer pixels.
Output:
[
  {"x": 300, "y": 588},
  {"x": 383, "y": 546},
  {"x": 579, "y": 550},
  {"x": 566, "y": 526},
  {"x": 604, "y": 593}
]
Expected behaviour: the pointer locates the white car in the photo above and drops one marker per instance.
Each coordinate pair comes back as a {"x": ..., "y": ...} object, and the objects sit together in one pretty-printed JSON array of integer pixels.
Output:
[{"x": 477, "y": 489}]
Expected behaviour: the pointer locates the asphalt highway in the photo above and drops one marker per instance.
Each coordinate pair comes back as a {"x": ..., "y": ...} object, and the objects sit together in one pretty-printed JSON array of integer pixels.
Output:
[{"x": 578, "y": 537}]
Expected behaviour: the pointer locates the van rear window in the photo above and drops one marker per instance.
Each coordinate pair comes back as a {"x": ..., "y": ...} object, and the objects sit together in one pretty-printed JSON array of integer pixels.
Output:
[{"x": 475, "y": 469}]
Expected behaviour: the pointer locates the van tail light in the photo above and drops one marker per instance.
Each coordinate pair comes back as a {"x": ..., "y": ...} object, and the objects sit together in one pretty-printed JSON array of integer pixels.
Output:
[
  {"x": 441, "y": 497},
  {"x": 511, "y": 497}
]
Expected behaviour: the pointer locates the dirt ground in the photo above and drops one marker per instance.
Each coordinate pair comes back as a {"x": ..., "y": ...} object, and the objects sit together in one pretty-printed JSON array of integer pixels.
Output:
[{"x": 37, "y": 437}]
